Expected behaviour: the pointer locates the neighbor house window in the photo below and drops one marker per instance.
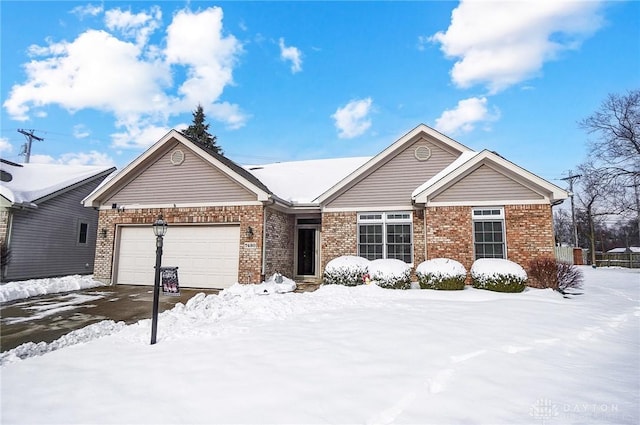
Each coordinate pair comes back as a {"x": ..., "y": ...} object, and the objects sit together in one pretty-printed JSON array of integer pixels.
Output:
[
  {"x": 488, "y": 233},
  {"x": 385, "y": 235},
  {"x": 83, "y": 231}
]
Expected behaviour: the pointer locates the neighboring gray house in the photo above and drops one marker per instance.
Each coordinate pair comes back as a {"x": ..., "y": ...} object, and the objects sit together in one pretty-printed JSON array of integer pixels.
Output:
[{"x": 42, "y": 221}]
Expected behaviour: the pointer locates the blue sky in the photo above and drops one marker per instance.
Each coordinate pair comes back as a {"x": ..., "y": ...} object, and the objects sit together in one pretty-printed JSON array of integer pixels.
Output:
[{"x": 279, "y": 81}]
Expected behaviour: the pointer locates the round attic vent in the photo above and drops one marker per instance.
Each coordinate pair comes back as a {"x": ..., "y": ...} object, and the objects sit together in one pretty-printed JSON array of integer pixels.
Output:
[
  {"x": 5, "y": 177},
  {"x": 422, "y": 153},
  {"x": 177, "y": 157}
]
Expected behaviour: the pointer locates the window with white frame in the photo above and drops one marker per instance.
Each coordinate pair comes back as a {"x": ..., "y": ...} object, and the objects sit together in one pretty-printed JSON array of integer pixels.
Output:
[
  {"x": 488, "y": 233},
  {"x": 385, "y": 235}
]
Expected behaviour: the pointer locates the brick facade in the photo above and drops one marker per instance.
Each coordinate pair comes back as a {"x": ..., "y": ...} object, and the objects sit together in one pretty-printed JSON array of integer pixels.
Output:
[
  {"x": 529, "y": 231},
  {"x": 449, "y": 234},
  {"x": 4, "y": 224},
  {"x": 279, "y": 243},
  {"x": 339, "y": 235},
  {"x": 528, "y": 228},
  {"x": 250, "y": 265}
]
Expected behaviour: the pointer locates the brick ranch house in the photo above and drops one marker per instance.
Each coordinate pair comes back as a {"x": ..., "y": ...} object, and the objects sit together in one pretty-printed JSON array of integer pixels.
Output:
[{"x": 425, "y": 196}]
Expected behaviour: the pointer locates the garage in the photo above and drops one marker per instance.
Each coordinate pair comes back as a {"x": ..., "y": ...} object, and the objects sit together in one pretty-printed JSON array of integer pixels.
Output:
[{"x": 206, "y": 256}]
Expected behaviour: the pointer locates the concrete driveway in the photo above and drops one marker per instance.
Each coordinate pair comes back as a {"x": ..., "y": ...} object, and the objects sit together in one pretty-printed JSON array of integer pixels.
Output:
[{"x": 48, "y": 317}]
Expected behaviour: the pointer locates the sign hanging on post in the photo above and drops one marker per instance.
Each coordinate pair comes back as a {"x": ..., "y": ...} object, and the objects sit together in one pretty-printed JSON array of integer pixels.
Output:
[{"x": 170, "y": 285}]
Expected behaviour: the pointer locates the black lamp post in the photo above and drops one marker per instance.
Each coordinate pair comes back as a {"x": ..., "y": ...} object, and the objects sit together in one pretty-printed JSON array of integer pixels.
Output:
[{"x": 159, "y": 229}]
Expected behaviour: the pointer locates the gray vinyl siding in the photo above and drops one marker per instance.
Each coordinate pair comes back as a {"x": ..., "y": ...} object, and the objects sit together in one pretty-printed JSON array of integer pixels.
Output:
[
  {"x": 44, "y": 241},
  {"x": 195, "y": 180},
  {"x": 486, "y": 184},
  {"x": 392, "y": 183}
]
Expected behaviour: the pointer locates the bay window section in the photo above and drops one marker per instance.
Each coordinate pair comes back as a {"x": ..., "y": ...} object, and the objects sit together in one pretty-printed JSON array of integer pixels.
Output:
[{"x": 385, "y": 235}]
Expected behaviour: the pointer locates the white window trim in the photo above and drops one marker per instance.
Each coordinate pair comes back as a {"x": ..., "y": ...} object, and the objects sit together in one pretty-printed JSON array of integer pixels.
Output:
[
  {"x": 385, "y": 218},
  {"x": 496, "y": 214}
]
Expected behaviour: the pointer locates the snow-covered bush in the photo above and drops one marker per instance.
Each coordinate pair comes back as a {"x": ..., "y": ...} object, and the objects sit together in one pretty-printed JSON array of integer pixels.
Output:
[
  {"x": 441, "y": 273},
  {"x": 498, "y": 275},
  {"x": 346, "y": 270},
  {"x": 547, "y": 272},
  {"x": 390, "y": 273}
]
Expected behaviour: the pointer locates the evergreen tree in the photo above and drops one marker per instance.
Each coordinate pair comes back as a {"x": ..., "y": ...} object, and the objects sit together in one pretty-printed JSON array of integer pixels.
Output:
[{"x": 198, "y": 131}]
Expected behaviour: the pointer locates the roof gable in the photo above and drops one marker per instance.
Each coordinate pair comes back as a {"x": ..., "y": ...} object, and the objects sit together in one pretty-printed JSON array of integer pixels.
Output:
[
  {"x": 421, "y": 131},
  {"x": 541, "y": 189},
  {"x": 222, "y": 164}
]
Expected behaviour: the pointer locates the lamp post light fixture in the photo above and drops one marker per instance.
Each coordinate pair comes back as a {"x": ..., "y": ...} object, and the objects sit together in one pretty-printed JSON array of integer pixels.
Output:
[{"x": 159, "y": 229}]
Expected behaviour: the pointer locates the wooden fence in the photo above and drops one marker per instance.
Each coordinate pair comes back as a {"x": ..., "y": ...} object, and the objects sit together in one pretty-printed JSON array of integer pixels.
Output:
[{"x": 619, "y": 259}]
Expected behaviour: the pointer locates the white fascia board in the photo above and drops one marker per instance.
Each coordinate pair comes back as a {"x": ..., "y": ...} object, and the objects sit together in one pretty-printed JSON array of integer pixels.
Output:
[
  {"x": 556, "y": 192},
  {"x": 389, "y": 152},
  {"x": 128, "y": 207},
  {"x": 371, "y": 209},
  {"x": 544, "y": 201}
]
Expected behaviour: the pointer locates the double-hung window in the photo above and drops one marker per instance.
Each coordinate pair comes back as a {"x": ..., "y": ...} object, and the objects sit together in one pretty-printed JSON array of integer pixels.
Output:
[
  {"x": 488, "y": 233},
  {"x": 385, "y": 235},
  {"x": 83, "y": 233}
]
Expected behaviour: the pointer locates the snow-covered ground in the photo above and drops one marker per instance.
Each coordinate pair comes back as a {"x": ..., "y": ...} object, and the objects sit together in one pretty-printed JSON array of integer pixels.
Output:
[
  {"x": 353, "y": 355},
  {"x": 34, "y": 287}
]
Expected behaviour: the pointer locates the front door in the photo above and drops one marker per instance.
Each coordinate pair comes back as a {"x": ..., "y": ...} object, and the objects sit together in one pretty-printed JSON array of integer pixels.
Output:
[{"x": 306, "y": 250}]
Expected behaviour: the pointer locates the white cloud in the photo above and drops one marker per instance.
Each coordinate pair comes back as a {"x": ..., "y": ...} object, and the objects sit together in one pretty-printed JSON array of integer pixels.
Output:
[
  {"x": 139, "y": 136},
  {"x": 5, "y": 146},
  {"x": 290, "y": 53},
  {"x": 502, "y": 44},
  {"x": 86, "y": 10},
  {"x": 86, "y": 158},
  {"x": 465, "y": 116},
  {"x": 74, "y": 158},
  {"x": 352, "y": 119},
  {"x": 80, "y": 131},
  {"x": 137, "y": 26},
  {"x": 133, "y": 80}
]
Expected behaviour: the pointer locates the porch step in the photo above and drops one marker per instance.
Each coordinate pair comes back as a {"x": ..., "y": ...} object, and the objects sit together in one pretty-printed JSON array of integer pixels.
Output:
[{"x": 307, "y": 286}]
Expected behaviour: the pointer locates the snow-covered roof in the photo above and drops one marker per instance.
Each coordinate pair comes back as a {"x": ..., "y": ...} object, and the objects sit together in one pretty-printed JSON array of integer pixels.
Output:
[
  {"x": 30, "y": 182},
  {"x": 300, "y": 182},
  {"x": 630, "y": 249}
]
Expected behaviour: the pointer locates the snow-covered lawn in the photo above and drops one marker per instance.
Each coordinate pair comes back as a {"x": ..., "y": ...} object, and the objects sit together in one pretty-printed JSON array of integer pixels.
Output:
[
  {"x": 353, "y": 355},
  {"x": 34, "y": 287}
]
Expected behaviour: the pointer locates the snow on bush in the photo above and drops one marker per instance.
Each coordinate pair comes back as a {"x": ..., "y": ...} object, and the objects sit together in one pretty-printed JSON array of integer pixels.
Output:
[
  {"x": 390, "y": 273},
  {"x": 346, "y": 270},
  {"x": 31, "y": 288},
  {"x": 498, "y": 275},
  {"x": 441, "y": 273}
]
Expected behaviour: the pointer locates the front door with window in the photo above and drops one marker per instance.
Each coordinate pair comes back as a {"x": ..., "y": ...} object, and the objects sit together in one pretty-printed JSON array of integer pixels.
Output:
[{"x": 306, "y": 251}]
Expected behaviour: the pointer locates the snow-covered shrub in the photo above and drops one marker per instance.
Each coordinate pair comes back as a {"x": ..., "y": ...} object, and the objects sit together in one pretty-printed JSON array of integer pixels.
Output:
[
  {"x": 441, "y": 273},
  {"x": 346, "y": 270},
  {"x": 498, "y": 275},
  {"x": 390, "y": 273},
  {"x": 547, "y": 272}
]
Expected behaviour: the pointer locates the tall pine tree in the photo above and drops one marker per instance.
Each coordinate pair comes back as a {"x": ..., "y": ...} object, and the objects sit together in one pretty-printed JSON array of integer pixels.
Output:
[{"x": 198, "y": 131}]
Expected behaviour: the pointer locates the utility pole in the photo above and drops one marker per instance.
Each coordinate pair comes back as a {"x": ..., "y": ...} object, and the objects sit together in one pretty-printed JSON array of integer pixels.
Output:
[
  {"x": 27, "y": 146},
  {"x": 570, "y": 179}
]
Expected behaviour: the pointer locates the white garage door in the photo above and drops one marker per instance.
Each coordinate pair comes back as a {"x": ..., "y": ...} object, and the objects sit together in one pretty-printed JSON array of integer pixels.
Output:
[{"x": 206, "y": 256}]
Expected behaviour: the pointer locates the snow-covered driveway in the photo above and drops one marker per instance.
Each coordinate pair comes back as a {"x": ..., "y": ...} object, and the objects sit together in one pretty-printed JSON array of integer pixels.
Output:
[{"x": 354, "y": 355}]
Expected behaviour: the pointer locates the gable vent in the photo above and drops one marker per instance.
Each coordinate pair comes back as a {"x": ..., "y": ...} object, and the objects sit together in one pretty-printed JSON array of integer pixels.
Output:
[
  {"x": 177, "y": 157},
  {"x": 422, "y": 153}
]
